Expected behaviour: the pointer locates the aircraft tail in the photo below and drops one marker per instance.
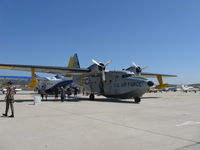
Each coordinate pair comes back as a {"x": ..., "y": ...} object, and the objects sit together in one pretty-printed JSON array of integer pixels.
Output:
[
  {"x": 74, "y": 62},
  {"x": 71, "y": 61}
]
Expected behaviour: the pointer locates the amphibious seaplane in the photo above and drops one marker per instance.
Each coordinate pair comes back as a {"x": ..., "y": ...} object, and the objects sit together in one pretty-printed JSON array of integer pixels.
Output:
[{"x": 95, "y": 79}]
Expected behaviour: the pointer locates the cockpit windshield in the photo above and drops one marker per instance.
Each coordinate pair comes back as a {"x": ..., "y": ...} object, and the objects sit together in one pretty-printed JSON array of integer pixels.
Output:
[{"x": 127, "y": 75}]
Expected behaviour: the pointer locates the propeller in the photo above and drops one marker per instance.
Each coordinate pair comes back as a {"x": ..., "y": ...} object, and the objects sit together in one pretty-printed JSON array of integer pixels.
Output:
[
  {"x": 138, "y": 68},
  {"x": 102, "y": 67}
]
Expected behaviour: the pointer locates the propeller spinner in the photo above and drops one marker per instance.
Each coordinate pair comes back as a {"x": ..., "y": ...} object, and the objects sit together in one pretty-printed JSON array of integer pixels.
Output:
[
  {"x": 138, "y": 68},
  {"x": 102, "y": 67}
]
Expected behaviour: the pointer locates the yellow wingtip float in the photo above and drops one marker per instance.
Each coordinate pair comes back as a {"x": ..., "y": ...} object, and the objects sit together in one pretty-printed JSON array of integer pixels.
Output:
[
  {"x": 161, "y": 84},
  {"x": 6, "y": 67},
  {"x": 71, "y": 62},
  {"x": 34, "y": 82}
]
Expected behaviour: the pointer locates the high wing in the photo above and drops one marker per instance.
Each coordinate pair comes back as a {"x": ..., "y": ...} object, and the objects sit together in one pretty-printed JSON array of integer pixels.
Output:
[
  {"x": 150, "y": 75},
  {"x": 47, "y": 69}
]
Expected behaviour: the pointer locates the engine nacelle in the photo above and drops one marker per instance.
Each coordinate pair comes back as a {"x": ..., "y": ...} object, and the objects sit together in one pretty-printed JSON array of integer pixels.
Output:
[
  {"x": 95, "y": 69},
  {"x": 136, "y": 70}
]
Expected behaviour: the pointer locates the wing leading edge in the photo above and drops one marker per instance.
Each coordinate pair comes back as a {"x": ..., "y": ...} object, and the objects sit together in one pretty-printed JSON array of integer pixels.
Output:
[
  {"x": 46, "y": 69},
  {"x": 150, "y": 75}
]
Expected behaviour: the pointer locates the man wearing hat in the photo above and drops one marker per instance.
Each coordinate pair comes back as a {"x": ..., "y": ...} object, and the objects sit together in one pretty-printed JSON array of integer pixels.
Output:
[{"x": 9, "y": 99}]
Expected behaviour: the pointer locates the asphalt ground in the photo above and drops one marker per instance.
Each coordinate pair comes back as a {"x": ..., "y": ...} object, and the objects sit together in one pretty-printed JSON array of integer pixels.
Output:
[{"x": 162, "y": 121}]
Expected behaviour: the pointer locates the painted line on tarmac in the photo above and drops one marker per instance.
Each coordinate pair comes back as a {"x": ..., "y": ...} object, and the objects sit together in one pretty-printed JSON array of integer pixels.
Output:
[{"x": 188, "y": 123}]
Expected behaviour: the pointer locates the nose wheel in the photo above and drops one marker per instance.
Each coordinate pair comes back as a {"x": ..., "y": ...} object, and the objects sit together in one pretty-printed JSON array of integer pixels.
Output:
[
  {"x": 91, "y": 97},
  {"x": 137, "y": 100}
]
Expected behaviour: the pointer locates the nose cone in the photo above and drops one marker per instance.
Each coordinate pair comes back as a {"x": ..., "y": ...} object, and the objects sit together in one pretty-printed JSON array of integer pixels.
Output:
[{"x": 150, "y": 83}]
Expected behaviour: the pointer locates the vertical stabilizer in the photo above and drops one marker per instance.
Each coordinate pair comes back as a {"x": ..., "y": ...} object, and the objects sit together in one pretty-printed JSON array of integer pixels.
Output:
[
  {"x": 74, "y": 62},
  {"x": 71, "y": 62}
]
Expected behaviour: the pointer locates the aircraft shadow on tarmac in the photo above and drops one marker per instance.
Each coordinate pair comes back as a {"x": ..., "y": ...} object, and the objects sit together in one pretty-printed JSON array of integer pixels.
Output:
[
  {"x": 111, "y": 100},
  {"x": 150, "y": 97},
  {"x": 25, "y": 93}
]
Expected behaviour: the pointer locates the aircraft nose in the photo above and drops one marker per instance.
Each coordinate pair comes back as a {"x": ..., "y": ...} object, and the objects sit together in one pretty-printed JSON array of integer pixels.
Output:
[{"x": 150, "y": 83}]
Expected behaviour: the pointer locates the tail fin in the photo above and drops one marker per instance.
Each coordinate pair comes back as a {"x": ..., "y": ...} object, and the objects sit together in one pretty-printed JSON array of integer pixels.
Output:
[
  {"x": 71, "y": 61},
  {"x": 74, "y": 62}
]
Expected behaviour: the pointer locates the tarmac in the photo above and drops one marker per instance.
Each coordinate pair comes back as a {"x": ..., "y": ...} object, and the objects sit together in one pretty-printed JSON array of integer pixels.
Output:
[{"x": 162, "y": 121}]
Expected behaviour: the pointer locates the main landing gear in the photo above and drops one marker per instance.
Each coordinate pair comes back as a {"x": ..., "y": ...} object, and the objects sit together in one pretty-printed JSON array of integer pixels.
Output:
[
  {"x": 137, "y": 99},
  {"x": 91, "y": 97}
]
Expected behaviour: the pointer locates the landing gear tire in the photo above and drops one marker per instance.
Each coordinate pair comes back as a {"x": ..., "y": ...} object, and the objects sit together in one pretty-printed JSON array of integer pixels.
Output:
[
  {"x": 137, "y": 100},
  {"x": 91, "y": 97}
]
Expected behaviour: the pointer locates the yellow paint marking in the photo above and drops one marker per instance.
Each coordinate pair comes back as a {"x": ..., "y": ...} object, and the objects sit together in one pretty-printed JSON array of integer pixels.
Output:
[
  {"x": 33, "y": 84},
  {"x": 6, "y": 67},
  {"x": 159, "y": 78},
  {"x": 71, "y": 62},
  {"x": 33, "y": 73}
]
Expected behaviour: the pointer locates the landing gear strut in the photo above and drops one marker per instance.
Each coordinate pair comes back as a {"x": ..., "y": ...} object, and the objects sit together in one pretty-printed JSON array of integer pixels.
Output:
[
  {"x": 137, "y": 100},
  {"x": 91, "y": 97}
]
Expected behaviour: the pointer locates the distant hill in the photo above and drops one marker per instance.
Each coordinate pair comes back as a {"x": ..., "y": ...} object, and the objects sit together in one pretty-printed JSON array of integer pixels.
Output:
[{"x": 195, "y": 85}]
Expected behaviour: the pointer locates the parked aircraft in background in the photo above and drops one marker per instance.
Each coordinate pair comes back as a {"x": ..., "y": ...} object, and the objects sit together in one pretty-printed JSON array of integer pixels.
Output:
[
  {"x": 97, "y": 80},
  {"x": 49, "y": 85},
  {"x": 17, "y": 89},
  {"x": 186, "y": 89}
]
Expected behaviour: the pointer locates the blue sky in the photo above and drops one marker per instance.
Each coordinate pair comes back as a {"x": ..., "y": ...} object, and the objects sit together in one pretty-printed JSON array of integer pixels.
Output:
[{"x": 163, "y": 35}]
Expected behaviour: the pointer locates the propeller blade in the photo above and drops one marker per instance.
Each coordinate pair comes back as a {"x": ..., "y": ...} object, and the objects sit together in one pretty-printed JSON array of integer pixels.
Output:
[
  {"x": 108, "y": 62},
  {"x": 103, "y": 75},
  {"x": 94, "y": 61},
  {"x": 134, "y": 64},
  {"x": 145, "y": 67}
]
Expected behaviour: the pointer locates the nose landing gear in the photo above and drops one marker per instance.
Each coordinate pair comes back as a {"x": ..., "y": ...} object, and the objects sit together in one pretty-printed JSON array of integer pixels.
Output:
[
  {"x": 91, "y": 97},
  {"x": 137, "y": 99}
]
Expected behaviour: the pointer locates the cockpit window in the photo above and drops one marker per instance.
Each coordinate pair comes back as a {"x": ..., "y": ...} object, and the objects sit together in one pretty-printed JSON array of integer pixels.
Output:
[{"x": 126, "y": 75}]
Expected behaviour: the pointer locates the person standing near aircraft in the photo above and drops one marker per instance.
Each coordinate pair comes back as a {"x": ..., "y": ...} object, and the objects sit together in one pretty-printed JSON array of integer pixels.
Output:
[
  {"x": 46, "y": 96},
  {"x": 42, "y": 92},
  {"x": 56, "y": 93},
  {"x": 69, "y": 92},
  {"x": 83, "y": 90},
  {"x": 62, "y": 93},
  {"x": 9, "y": 99},
  {"x": 75, "y": 92}
]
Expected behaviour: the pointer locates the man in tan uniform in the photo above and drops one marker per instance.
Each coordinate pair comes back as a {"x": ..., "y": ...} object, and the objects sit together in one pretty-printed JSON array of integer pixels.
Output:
[{"x": 9, "y": 99}]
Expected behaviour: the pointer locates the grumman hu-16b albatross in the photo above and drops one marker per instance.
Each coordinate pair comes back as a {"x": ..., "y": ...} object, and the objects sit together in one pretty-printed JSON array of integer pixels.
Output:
[{"x": 122, "y": 84}]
